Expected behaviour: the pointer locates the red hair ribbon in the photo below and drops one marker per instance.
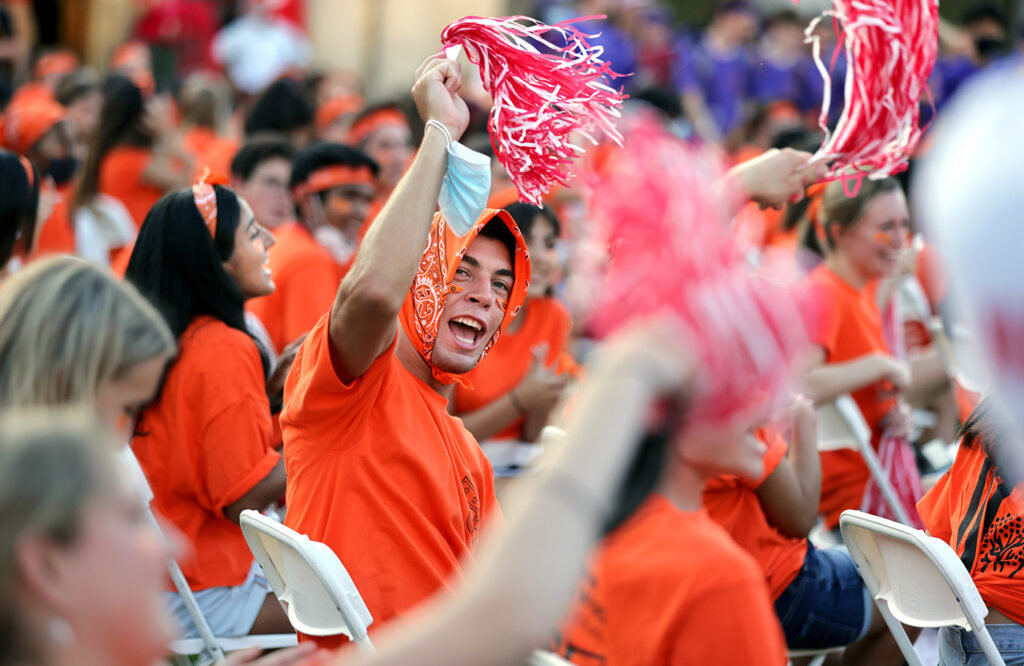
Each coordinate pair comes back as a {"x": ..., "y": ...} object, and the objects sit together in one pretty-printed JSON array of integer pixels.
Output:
[
  {"x": 332, "y": 176},
  {"x": 205, "y": 198},
  {"x": 891, "y": 48},
  {"x": 540, "y": 100},
  {"x": 373, "y": 121}
]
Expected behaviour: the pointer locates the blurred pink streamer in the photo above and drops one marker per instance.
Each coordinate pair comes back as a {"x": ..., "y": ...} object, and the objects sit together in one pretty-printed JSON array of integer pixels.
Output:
[
  {"x": 539, "y": 99},
  {"x": 668, "y": 248},
  {"x": 891, "y": 47}
]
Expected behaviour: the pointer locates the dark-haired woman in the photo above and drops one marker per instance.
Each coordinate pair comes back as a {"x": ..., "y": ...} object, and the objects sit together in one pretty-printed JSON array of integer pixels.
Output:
[
  {"x": 864, "y": 238},
  {"x": 137, "y": 154},
  {"x": 205, "y": 442},
  {"x": 19, "y": 203},
  {"x": 978, "y": 509},
  {"x": 517, "y": 385}
]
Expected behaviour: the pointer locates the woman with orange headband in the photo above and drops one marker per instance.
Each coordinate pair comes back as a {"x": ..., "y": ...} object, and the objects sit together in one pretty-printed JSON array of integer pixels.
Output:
[
  {"x": 205, "y": 442},
  {"x": 864, "y": 238}
]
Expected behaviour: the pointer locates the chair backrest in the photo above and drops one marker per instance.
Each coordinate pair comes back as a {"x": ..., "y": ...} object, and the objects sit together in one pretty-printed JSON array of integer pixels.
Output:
[
  {"x": 545, "y": 658},
  {"x": 920, "y": 577},
  {"x": 308, "y": 579}
]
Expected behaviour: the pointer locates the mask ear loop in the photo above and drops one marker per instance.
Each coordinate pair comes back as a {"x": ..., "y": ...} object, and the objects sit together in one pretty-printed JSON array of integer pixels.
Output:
[{"x": 444, "y": 130}]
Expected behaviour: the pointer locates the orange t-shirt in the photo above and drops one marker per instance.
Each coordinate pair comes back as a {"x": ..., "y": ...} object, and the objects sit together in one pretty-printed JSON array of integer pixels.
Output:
[
  {"x": 205, "y": 443},
  {"x": 121, "y": 178},
  {"x": 57, "y": 235},
  {"x": 982, "y": 519},
  {"x": 848, "y": 325},
  {"x": 510, "y": 359},
  {"x": 732, "y": 502},
  {"x": 217, "y": 157},
  {"x": 306, "y": 278},
  {"x": 384, "y": 475},
  {"x": 199, "y": 140},
  {"x": 670, "y": 587}
]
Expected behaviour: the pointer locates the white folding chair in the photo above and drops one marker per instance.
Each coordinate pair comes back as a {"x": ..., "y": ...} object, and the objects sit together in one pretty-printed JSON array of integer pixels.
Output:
[
  {"x": 545, "y": 658},
  {"x": 309, "y": 580},
  {"x": 842, "y": 426},
  {"x": 208, "y": 648},
  {"x": 916, "y": 579}
]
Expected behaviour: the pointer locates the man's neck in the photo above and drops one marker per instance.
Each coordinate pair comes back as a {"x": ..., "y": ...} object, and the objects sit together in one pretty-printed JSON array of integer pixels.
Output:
[{"x": 412, "y": 361}]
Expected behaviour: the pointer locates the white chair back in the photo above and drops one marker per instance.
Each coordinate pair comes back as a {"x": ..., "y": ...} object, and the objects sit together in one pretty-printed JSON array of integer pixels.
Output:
[
  {"x": 308, "y": 579},
  {"x": 915, "y": 579}
]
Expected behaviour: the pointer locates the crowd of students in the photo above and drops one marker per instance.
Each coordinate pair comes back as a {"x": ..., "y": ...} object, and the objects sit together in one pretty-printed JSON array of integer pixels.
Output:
[{"x": 266, "y": 308}]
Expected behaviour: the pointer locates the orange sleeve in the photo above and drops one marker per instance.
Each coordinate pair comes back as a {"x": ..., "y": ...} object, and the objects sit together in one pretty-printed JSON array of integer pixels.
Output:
[
  {"x": 317, "y": 284},
  {"x": 777, "y": 448},
  {"x": 235, "y": 453},
  {"x": 730, "y": 624},
  {"x": 823, "y": 318}
]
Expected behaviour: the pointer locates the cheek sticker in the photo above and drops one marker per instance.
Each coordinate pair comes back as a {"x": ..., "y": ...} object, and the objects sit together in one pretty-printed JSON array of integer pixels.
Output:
[
  {"x": 338, "y": 206},
  {"x": 503, "y": 304}
]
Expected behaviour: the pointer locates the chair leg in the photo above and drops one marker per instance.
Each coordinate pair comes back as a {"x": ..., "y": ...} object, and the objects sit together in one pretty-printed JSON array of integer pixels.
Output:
[
  {"x": 988, "y": 647},
  {"x": 906, "y": 647}
]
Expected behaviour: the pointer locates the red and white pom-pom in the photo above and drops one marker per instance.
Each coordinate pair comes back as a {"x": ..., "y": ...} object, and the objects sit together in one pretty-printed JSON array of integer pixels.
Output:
[
  {"x": 890, "y": 50},
  {"x": 669, "y": 248},
  {"x": 539, "y": 99}
]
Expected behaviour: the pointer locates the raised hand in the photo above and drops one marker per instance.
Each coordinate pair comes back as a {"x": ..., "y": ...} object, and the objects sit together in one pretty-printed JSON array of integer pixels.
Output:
[{"x": 436, "y": 93}]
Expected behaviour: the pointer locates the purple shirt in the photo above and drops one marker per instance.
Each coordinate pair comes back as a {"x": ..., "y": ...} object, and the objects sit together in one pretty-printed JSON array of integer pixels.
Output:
[{"x": 722, "y": 79}]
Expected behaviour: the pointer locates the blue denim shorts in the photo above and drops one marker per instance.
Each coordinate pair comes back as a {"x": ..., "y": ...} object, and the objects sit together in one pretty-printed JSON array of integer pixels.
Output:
[
  {"x": 827, "y": 604},
  {"x": 959, "y": 647}
]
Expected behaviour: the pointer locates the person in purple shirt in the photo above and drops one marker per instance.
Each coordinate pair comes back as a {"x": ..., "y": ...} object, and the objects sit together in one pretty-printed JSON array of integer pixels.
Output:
[
  {"x": 714, "y": 75},
  {"x": 779, "y": 63}
]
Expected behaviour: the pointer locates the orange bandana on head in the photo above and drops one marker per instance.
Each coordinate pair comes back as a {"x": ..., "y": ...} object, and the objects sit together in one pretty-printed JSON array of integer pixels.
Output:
[
  {"x": 335, "y": 175},
  {"x": 28, "y": 121},
  {"x": 205, "y": 198},
  {"x": 371, "y": 122},
  {"x": 422, "y": 309}
]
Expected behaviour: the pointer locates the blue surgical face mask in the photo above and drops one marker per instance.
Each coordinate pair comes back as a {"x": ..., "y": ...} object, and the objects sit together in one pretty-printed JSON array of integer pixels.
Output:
[{"x": 466, "y": 187}]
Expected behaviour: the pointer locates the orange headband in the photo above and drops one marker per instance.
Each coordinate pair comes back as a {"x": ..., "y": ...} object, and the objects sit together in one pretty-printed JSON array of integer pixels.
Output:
[
  {"x": 29, "y": 172},
  {"x": 368, "y": 124},
  {"x": 206, "y": 199},
  {"x": 332, "y": 176}
]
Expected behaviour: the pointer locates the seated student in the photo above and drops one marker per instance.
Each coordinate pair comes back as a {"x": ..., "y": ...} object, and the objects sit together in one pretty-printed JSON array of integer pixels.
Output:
[
  {"x": 205, "y": 443},
  {"x": 377, "y": 467},
  {"x": 818, "y": 595},
  {"x": 511, "y": 393},
  {"x": 979, "y": 511},
  {"x": 669, "y": 586},
  {"x": 332, "y": 187},
  {"x": 864, "y": 237}
]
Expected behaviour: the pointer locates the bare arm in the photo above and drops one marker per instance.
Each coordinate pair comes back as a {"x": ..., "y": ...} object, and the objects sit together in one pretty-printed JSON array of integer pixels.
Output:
[
  {"x": 260, "y": 496},
  {"x": 827, "y": 381},
  {"x": 790, "y": 494},
  {"x": 770, "y": 179},
  {"x": 364, "y": 314},
  {"x": 527, "y": 571}
]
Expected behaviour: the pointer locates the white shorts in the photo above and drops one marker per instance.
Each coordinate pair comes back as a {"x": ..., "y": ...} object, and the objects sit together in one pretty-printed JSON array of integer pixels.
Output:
[{"x": 230, "y": 611}]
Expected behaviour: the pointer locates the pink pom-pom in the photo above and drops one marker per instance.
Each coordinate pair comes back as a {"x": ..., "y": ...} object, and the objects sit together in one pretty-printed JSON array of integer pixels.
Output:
[
  {"x": 890, "y": 49},
  {"x": 667, "y": 247},
  {"x": 539, "y": 99}
]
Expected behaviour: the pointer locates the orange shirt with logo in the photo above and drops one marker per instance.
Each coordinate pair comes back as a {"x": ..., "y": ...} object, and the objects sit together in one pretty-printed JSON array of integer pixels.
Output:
[
  {"x": 732, "y": 502},
  {"x": 121, "y": 178},
  {"x": 670, "y": 587},
  {"x": 384, "y": 475},
  {"x": 547, "y": 321},
  {"x": 982, "y": 519},
  {"x": 205, "y": 443},
  {"x": 306, "y": 280},
  {"x": 848, "y": 325}
]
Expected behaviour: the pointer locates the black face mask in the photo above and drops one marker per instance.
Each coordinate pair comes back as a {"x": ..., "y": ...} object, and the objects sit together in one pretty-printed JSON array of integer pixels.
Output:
[
  {"x": 988, "y": 47},
  {"x": 62, "y": 170}
]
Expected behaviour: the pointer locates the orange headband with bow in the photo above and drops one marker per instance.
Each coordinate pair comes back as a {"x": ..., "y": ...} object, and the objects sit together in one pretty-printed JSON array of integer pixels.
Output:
[{"x": 205, "y": 198}]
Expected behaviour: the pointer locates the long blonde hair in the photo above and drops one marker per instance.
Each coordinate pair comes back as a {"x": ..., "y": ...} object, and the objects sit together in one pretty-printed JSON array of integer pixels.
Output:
[
  {"x": 52, "y": 462},
  {"x": 66, "y": 327}
]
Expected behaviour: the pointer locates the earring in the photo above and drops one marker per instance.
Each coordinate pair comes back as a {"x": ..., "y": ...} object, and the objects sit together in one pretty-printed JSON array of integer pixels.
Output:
[{"x": 61, "y": 632}]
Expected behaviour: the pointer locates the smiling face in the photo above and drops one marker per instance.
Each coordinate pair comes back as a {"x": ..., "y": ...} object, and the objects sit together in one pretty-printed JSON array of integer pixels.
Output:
[
  {"x": 267, "y": 192},
  {"x": 876, "y": 241},
  {"x": 248, "y": 261},
  {"x": 474, "y": 311}
]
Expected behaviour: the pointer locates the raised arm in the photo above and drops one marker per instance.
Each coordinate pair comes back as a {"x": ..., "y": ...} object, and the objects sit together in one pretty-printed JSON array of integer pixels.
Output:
[
  {"x": 364, "y": 317},
  {"x": 824, "y": 382}
]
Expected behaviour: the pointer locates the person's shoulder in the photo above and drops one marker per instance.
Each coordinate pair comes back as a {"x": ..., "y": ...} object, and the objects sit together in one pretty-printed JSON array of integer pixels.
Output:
[
  {"x": 211, "y": 338},
  {"x": 551, "y": 307},
  {"x": 294, "y": 243}
]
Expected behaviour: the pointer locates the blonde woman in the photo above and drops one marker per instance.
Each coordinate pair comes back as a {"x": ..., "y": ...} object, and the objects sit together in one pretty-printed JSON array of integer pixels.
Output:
[
  {"x": 81, "y": 572},
  {"x": 71, "y": 333}
]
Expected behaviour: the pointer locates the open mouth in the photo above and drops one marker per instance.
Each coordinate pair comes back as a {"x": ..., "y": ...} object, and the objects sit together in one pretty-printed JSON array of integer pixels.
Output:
[{"x": 466, "y": 331}]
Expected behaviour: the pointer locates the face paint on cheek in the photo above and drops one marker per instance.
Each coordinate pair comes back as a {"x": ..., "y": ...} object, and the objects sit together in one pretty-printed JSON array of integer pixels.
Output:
[
  {"x": 503, "y": 304},
  {"x": 454, "y": 289},
  {"x": 339, "y": 206},
  {"x": 889, "y": 237}
]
